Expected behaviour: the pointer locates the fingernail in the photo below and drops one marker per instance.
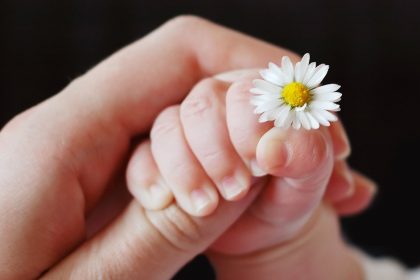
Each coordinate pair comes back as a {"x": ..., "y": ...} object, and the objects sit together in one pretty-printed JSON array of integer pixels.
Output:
[
  {"x": 256, "y": 170},
  {"x": 234, "y": 186},
  {"x": 202, "y": 201}
]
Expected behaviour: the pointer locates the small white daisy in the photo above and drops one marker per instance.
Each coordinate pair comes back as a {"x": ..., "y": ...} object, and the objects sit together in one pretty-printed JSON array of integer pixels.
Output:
[{"x": 292, "y": 96}]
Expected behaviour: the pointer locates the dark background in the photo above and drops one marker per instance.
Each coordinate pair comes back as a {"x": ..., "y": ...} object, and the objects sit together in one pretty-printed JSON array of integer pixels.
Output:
[{"x": 373, "y": 48}]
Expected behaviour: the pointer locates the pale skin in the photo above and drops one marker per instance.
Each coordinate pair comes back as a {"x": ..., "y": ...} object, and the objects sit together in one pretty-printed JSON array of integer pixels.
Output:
[{"x": 58, "y": 159}]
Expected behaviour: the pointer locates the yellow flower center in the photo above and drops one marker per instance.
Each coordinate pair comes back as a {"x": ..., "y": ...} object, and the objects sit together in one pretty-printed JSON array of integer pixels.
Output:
[{"x": 296, "y": 94}]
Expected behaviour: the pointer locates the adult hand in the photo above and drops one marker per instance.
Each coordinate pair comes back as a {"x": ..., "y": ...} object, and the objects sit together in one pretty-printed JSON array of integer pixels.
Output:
[{"x": 58, "y": 157}]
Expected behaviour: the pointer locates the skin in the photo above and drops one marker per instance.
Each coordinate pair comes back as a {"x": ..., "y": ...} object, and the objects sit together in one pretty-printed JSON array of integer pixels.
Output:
[
  {"x": 200, "y": 143},
  {"x": 65, "y": 213}
]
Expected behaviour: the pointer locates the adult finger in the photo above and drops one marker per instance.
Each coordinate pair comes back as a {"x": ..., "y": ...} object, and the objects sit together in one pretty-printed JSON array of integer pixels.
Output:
[
  {"x": 364, "y": 193},
  {"x": 124, "y": 88},
  {"x": 143, "y": 244},
  {"x": 341, "y": 183},
  {"x": 341, "y": 143}
]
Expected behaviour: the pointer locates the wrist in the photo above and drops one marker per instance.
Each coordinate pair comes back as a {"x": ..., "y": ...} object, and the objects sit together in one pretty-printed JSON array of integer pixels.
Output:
[{"x": 317, "y": 252}]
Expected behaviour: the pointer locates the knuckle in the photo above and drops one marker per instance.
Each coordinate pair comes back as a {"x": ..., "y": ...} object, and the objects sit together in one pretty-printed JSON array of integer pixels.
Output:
[
  {"x": 18, "y": 121},
  {"x": 180, "y": 230},
  {"x": 213, "y": 157},
  {"x": 184, "y": 171},
  {"x": 202, "y": 98},
  {"x": 196, "y": 107},
  {"x": 165, "y": 123},
  {"x": 181, "y": 22}
]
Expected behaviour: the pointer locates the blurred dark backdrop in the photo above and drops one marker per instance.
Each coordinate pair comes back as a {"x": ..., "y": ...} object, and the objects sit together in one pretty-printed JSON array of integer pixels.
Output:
[{"x": 373, "y": 48}]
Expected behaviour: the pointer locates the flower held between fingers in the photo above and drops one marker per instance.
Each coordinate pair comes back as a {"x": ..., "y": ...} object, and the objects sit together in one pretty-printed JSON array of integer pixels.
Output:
[{"x": 292, "y": 96}]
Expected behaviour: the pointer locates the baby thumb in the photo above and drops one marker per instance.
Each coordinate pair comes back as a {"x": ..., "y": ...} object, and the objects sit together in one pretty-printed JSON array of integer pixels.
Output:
[{"x": 301, "y": 164}]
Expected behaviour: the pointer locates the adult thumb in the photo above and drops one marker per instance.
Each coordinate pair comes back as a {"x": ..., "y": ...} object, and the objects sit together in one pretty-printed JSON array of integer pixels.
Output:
[{"x": 143, "y": 244}]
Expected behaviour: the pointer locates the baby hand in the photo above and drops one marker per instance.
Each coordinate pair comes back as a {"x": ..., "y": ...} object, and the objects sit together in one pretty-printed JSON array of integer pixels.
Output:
[{"x": 213, "y": 144}]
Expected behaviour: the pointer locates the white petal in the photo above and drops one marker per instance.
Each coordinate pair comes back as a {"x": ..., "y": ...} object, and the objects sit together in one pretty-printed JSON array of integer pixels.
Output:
[
  {"x": 303, "y": 120},
  {"x": 314, "y": 123},
  {"x": 325, "y": 89},
  {"x": 276, "y": 112},
  {"x": 260, "y": 91},
  {"x": 325, "y": 105},
  {"x": 263, "y": 117},
  {"x": 330, "y": 96},
  {"x": 266, "y": 86},
  {"x": 271, "y": 77},
  {"x": 267, "y": 106},
  {"x": 320, "y": 118},
  {"x": 309, "y": 73},
  {"x": 319, "y": 74},
  {"x": 287, "y": 68},
  {"x": 305, "y": 60},
  {"x": 296, "y": 122},
  {"x": 282, "y": 115},
  {"x": 301, "y": 67},
  {"x": 263, "y": 98},
  {"x": 275, "y": 68},
  {"x": 298, "y": 72},
  {"x": 256, "y": 102},
  {"x": 290, "y": 117},
  {"x": 329, "y": 116},
  {"x": 267, "y": 96},
  {"x": 271, "y": 115},
  {"x": 301, "y": 108},
  {"x": 277, "y": 71}
]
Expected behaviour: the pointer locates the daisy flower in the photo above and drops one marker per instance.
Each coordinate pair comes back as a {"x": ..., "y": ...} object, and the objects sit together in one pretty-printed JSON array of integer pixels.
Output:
[{"x": 292, "y": 96}]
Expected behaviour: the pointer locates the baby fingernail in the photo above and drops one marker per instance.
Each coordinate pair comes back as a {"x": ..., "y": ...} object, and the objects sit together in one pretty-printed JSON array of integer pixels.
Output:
[
  {"x": 256, "y": 170},
  {"x": 233, "y": 187},
  {"x": 158, "y": 192},
  {"x": 202, "y": 201},
  {"x": 158, "y": 196}
]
